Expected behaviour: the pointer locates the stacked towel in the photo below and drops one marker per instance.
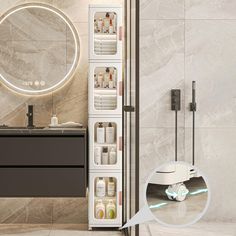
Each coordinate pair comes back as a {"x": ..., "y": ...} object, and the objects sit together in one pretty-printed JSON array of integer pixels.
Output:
[
  {"x": 105, "y": 44},
  {"x": 105, "y": 102}
]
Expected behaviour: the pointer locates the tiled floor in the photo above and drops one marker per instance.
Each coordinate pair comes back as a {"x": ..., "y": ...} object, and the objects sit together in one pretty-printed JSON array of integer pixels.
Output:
[
  {"x": 198, "y": 229},
  {"x": 52, "y": 230}
]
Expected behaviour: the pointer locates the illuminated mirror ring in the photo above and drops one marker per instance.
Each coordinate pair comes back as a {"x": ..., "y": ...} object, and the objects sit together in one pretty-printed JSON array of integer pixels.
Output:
[{"x": 74, "y": 40}]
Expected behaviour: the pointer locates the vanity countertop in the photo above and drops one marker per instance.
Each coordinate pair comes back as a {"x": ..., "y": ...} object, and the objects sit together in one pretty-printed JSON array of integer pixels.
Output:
[{"x": 42, "y": 131}]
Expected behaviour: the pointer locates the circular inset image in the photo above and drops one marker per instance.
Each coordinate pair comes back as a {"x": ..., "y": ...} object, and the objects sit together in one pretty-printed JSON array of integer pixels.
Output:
[{"x": 177, "y": 194}]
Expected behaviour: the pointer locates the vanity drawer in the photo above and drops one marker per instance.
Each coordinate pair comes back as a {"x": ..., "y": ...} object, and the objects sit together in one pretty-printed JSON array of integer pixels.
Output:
[
  {"x": 43, "y": 182},
  {"x": 43, "y": 151}
]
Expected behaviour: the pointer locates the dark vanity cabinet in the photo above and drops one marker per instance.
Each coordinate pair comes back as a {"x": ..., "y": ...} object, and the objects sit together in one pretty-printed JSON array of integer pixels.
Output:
[{"x": 43, "y": 163}]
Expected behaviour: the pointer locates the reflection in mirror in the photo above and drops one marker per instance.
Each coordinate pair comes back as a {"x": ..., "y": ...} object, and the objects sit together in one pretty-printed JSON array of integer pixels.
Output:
[{"x": 39, "y": 49}]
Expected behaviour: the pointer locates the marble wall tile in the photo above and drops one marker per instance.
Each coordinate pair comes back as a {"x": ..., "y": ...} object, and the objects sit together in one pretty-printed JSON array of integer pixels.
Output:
[
  {"x": 157, "y": 146},
  {"x": 70, "y": 211},
  {"x": 69, "y": 101},
  {"x": 161, "y": 69},
  {"x": 209, "y": 9},
  {"x": 162, "y": 9},
  {"x": 37, "y": 24},
  {"x": 215, "y": 156},
  {"x": 8, "y": 4},
  {"x": 39, "y": 211},
  {"x": 13, "y": 210},
  {"x": 210, "y": 61}
]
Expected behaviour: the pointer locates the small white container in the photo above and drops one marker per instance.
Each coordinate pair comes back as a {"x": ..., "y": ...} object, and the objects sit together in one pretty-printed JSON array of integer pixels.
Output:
[
  {"x": 111, "y": 29},
  {"x": 111, "y": 84},
  {"x": 100, "y": 80},
  {"x": 105, "y": 158},
  {"x": 112, "y": 157},
  {"x": 111, "y": 188},
  {"x": 100, "y": 187},
  {"x": 110, "y": 134},
  {"x": 98, "y": 155},
  {"x": 54, "y": 120},
  {"x": 100, "y": 133}
]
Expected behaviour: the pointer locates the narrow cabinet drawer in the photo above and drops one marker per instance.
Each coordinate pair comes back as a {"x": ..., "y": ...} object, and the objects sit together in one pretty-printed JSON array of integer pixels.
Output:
[
  {"x": 49, "y": 151},
  {"x": 43, "y": 182}
]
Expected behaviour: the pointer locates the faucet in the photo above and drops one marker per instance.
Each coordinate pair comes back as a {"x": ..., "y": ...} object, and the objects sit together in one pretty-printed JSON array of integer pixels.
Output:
[{"x": 30, "y": 116}]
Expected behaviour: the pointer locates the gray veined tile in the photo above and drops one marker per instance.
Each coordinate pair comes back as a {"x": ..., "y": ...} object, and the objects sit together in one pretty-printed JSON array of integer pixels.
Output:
[
  {"x": 209, "y": 9},
  {"x": 157, "y": 146},
  {"x": 198, "y": 229},
  {"x": 161, "y": 69},
  {"x": 37, "y": 24},
  {"x": 162, "y": 9},
  {"x": 210, "y": 61},
  {"x": 76, "y": 10},
  {"x": 215, "y": 153}
]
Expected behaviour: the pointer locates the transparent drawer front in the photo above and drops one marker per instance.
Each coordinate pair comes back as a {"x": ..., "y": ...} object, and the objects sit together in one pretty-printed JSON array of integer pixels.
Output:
[
  {"x": 105, "y": 88},
  {"x": 105, "y": 143},
  {"x": 105, "y": 33},
  {"x": 105, "y": 198}
]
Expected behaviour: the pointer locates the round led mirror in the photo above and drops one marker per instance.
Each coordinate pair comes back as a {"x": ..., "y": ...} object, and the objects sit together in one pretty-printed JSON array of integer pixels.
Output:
[{"x": 39, "y": 49}]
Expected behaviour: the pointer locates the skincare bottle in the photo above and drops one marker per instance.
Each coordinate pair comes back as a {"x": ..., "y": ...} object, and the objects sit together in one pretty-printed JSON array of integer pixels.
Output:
[
  {"x": 112, "y": 157},
  {"x": 110, "y": 133},
  {"x": 106, "y": 78},
  {"x": 113, "y": 18},
  {"x": 100, "y": 133},
  {"x": 100, "y": 25},
  {"x": 111, "y": 28},
  {"x": 105, "y": 158},
  {"x": 100, "y": 187},
  {"x": 98, "y": 155},
  {"x": 100, "y": 210},
  {"x": 114, "y": 74},
  {"x": 100, "y": 80},
  {"x": 107, "y": 22},
  {"x": 110, "y": 210},
  {"x": 111, "y": 83},
  {"x": 95, "y": 81},
  {"x": 95, "y": 26},
  {"x": 111, "y": 188}
]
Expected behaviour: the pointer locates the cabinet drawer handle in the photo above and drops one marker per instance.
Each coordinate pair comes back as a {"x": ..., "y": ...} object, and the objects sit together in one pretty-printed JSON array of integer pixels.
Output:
[
  {"x": 120, "y": 33},
  {"x": 120, "y": 198},
  {"x": 120, "y": 88},
  {"x": 120, "y": 144}
]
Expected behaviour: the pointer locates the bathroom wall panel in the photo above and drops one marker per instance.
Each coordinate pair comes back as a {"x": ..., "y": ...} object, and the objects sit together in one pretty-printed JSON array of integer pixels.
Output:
[
  {"x": 208, "y": 9},
  {"x": 215, "y": 156},
  {"x": 161, "y": 69},
  {"x": 162, "y": 9},
  {"x": 157, "y": 147},
  {"x": 210, "y": 60}
]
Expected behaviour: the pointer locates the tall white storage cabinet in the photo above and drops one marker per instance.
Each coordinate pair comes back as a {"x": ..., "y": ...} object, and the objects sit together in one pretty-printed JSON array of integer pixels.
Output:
[{"x": 105, "y": 116}]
